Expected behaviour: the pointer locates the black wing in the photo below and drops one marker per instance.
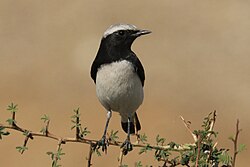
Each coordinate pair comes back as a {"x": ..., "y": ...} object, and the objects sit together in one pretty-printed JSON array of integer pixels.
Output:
[
  {"x": 94, "y": 68},
  {"x": 138, "y": 67},
  {"x": 140, "y": 71}
]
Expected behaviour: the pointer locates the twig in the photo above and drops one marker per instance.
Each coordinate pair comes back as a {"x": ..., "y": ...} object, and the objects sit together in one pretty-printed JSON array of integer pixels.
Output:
[
  {"x": 89, "y": 141},
  {"x": 90, "y": 154},
  {"x": 92, "y": 142},
  {"x": 235, "y": 142},
  {"x": 212, "y": 123},
  {"x": 77, "y": 127},
  {"x": 60, "y": 142},
  {"x": 120, "y": 158},
  {"x": 198, "y": 151},
  {"x": 211, "y": 126},
  {"x": 211, "y": 150},
  {"x": 188, "y": 128},
  {"x": 13, "y": 118},
  {"x": 28, "y": 136}
]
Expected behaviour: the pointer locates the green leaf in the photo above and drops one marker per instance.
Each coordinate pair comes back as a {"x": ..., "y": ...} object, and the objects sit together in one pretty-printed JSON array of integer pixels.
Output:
[
  {"x": 98, "y": 152},
  {"x": 138, "y": 164},
  {"x": 26, "y": 133},
  {"x": 12, "y": 108},
  {"x": 231, "y": 138},
  {"x": 173, "y": 145},
  {"x": 241, "y": 148},
  {"x": 10, "y": 121},
  {"x": 145, "y": 149},
  {"x": 43, "y": 130},
  {"x": 3, "y": 133},
  {"x": 224, "y": 158},
  {"x": 143, "y": 138},
  {"x": 160, "y": 140},
  {"x": 185, "y": 159},
  {"x": 49, "y": 153},
  {"x": 76, "y": 119},
  {"x": 124, "y": 165},
  {"x": 73, "y": 127},
  {"x": 55, "y": 157},
  {"x": 161, "y": 154},
  {"x": 84, "y": 132},
  {"x": 113, "y": 136},
  {"x": 21, "y": 149},
  {"x": 45, "y": 118}
]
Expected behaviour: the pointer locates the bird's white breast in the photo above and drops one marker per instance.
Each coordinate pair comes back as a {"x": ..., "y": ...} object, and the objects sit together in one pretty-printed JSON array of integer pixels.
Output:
[{"x": 119, "y": 88}]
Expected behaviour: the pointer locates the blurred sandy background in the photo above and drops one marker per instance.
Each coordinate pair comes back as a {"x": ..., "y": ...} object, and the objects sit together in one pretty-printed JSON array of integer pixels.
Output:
[{"x": 196, "y": 60}]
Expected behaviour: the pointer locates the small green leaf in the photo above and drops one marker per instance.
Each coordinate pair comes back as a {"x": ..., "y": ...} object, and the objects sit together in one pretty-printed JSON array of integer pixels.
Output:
[
  {"x": 185, "y": 159},
  {"x": 138, "y": 164},
  {"x": 124, "y": 165},
  {"x": 21, "y": 149},
  {"x": 3, "y": 133},
  {"x": 45, "y": 118},
  {"x": 172, "y": 144},
  {"x": 145, "y": 149},
  {"x": 55, "y": 157},
  {"x": 143, "y": 138},
  {"x": 12, "y": 108},
  {"x": 113, "y": 136},
  {"x": 10, "y": 121},
  {"x": 231, "y": 138},
  {"x": 26, "y": 133},
  {"x": 43, "y": 130},
  {"x": 161, "y": 154},
  {"x": 98, "y": 152},
  {"x": 49, "y": 153},
  {"x": 76, "y": 119},
  {"x": 84, "y": 132},
  {"x": 160, "y": 140},
  {"x": 241, "y": 148},
  {"x": 224, "y": 158}
]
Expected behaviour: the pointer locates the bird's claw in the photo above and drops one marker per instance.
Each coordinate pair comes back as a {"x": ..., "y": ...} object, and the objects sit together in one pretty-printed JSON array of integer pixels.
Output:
[
  {"x": 126, "y": 147},
  {"x": 103, "y": 143}
]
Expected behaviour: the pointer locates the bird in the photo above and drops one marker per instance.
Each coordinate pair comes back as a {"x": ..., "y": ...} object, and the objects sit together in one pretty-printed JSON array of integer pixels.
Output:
[{"x": 119, "y": 78}]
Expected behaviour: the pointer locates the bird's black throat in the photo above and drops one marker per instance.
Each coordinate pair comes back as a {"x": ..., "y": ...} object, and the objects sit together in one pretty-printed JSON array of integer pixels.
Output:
[{"x": 110, "y": 52}]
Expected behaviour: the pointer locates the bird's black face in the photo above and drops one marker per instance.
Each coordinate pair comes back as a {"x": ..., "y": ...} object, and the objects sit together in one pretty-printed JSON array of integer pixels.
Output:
[
  {"x": 116, "y": 42},
  {"x": 122, "y": 39}
]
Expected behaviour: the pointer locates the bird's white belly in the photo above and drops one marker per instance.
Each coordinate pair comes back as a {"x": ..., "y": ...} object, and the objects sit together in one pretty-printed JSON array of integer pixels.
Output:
[{"x": 119, "y": 88}]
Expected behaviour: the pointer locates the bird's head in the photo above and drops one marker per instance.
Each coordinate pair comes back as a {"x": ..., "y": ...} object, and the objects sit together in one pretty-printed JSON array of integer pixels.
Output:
[{"x": 122, "y": 35}]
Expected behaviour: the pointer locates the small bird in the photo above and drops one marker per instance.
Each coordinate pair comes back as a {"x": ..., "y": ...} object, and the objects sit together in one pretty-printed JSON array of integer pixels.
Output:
[{"x": 119, "y": 78}]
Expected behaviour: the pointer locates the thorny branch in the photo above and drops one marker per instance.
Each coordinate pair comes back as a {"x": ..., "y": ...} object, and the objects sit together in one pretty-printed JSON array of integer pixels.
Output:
[
  {"x": 187, "y": 125},
  {"x": 91, "y": 142},
  {"x": 235, "y": 142},
  {"x": 211, "y": 126},
  {"x": 199, "y": 140},
  {"x": 80, "y": 138}
]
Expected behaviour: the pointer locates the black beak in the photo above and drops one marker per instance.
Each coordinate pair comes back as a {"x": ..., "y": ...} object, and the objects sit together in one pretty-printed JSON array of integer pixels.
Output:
[{"x": 138, "y": 33}]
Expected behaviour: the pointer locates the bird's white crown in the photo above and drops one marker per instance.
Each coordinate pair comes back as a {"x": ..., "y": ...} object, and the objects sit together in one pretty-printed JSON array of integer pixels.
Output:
[{"x": 117, "y": 27}]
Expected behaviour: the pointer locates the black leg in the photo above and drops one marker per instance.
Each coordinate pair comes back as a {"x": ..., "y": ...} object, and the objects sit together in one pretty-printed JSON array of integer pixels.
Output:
[
  {"x": 103, "y": 142},
  {"x": 128, "y": 135},
  {"x": 127, "y": 146},
  {"x": 109, "y": 115}
]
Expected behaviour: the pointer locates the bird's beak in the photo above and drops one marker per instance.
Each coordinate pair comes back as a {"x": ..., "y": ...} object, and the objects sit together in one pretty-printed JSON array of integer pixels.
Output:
[{"x": 141, "y": 32}]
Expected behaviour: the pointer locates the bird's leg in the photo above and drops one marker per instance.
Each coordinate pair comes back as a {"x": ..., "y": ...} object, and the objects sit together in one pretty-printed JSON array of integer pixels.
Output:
[
  {"x": 103, "y": 142},
  {"x": 127, "y": 146}
]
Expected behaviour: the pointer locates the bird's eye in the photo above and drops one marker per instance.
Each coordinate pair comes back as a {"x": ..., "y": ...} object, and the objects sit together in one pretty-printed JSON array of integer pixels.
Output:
[{"x": 121, "y": 33}]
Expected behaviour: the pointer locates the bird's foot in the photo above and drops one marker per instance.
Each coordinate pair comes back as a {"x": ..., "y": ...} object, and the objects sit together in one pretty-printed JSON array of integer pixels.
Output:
[
  {"x": 126, "y": 147},
  {"x": 103, "y": 143}
]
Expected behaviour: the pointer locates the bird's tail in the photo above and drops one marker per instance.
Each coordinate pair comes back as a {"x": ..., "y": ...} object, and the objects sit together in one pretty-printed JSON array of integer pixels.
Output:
[{"x": 134, "y": 125}]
